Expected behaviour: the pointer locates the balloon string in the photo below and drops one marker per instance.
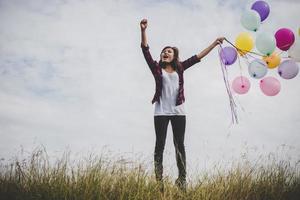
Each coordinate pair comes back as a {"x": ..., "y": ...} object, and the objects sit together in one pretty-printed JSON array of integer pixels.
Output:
[
  {"x": 246, "y": 56},
  {"x": 246, "y": 52},
  {"x": 240, "y": 66},
  {"x": 283, "y": 56},
  {"x": 242, "y": 50},
  {"x": 234, "y": 117}
]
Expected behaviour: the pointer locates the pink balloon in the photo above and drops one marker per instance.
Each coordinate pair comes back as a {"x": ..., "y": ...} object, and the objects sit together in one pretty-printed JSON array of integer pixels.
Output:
[
  {"x": 270, "y": 86},
  {"x": 284, "y": 39},
  {"x": 241, "y": 85}
]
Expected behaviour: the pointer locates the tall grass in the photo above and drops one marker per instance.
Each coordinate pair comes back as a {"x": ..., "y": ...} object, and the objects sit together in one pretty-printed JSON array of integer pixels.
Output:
[{"x": 99, "y": 177}]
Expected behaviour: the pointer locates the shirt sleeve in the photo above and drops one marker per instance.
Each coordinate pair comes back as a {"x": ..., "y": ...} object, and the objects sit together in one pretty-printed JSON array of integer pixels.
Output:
[
  {"x": 151, "y": 63},
  {"x": 190, "y": 62}
]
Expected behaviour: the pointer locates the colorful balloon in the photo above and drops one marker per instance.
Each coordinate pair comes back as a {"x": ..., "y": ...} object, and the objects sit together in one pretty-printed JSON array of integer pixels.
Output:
[
  {"x": 241, "y": 85},
  {"x": 284, "y": 38},
  {"x": 257, "y": 69},
  {"x": 262, "y": 8},
  {"x": 228, "y": 55},
  {"x": 265, "y": 43},
  {"x": 244, "y": 42},
  {"x": 294, "y": 51},
  {"x": 250, "y": 20},
  {"x": 288, "y": 69},
  {"x": 270, "y": 86},
  {"x": 273, "y": 60}
]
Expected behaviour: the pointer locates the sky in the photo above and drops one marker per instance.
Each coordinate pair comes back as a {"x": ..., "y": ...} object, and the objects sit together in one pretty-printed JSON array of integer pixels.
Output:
[{"x": 72, "y": 76}]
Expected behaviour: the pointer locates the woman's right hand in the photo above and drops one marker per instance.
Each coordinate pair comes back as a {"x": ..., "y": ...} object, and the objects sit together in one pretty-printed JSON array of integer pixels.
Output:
[{"x": 143, "y": 24}]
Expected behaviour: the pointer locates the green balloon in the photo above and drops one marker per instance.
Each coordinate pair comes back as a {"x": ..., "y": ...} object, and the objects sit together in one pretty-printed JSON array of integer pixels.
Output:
[
  {"x": 250, "y": 20},
  {"x": 265, "y": 43}
]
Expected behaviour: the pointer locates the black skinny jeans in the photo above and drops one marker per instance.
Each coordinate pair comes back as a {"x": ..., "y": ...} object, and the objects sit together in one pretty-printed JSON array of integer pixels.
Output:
[{"x": 178, "y": 126}]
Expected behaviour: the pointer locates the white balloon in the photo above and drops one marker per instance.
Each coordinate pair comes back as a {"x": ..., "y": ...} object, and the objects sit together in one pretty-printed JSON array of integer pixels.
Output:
[
  {"x": 265, "y": 43},
  {"x": 257, "y": 69},
  {"x": 250, "y": 20}
]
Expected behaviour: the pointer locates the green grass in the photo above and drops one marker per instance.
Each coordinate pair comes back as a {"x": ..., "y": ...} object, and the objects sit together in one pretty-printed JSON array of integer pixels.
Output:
[{"x": 99, "y": 177}]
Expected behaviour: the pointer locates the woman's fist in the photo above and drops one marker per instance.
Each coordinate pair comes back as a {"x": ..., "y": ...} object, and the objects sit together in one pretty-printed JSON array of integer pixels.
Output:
[
  {"x": 144, "y": 24},
  {"x": 219, "y": 41}
]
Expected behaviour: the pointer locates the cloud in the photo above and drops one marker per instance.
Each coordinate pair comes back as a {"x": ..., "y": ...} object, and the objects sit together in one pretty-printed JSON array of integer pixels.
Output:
[{"x": 72, "y": 73}]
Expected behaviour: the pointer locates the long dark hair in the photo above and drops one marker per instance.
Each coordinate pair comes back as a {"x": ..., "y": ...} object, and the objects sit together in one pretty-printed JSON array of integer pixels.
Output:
[{"x": 175, "y": 63}]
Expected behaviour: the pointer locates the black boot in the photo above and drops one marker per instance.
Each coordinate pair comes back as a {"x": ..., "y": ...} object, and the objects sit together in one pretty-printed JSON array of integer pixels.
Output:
[
  {"x": 181, "y": 184},
  {"x": 159, "y": 176},
  {"x": 161, "y": 186}
]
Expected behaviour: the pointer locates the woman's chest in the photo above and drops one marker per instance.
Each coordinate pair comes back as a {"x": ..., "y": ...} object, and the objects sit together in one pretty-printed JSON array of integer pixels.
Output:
[{"x": 170, "y": 78}]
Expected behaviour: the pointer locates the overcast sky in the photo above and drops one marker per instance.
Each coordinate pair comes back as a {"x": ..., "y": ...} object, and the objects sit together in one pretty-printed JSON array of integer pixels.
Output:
[{"x": 72, "y": 75}]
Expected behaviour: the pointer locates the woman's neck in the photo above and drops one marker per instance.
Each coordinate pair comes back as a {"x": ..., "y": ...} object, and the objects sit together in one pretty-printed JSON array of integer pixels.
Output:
[{"x": 169, "y": 68}]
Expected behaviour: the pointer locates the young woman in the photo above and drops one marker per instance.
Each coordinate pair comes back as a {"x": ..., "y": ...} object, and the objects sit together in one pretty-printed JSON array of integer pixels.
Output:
[{"x": 169, "y": 99}]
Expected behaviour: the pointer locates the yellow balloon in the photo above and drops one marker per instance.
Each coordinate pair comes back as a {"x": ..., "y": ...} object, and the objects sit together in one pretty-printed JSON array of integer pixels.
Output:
[
  {"x": 244, "y": 42},
  {"x": 273, "y": 60}
]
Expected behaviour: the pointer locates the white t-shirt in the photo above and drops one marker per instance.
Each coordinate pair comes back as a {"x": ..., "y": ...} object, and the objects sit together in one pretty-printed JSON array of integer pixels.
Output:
[{"x": 169, "y": 93}]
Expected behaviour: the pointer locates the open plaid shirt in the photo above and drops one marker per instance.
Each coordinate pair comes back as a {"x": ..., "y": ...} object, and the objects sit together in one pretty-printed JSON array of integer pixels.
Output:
[{"x": 157, "y": 73}]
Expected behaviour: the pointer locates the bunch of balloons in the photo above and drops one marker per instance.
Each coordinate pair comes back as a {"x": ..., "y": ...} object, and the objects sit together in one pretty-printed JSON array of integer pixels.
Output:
[{"x": 269, "y": 56}]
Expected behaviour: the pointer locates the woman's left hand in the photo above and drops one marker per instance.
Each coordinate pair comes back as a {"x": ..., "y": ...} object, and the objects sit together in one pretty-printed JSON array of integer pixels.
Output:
[{"x": 219, "y": 41}]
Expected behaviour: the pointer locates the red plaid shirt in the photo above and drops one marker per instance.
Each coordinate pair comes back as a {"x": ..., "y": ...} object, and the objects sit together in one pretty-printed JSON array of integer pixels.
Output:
[{"x": 157, "y": 73}]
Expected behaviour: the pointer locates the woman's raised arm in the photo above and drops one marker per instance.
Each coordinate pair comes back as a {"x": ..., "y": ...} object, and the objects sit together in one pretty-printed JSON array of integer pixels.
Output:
[
  {"x": 196, "y": 58},
  {"x": 143, "y": 25},
  {"x": 210, "y": 47},
  {"x": 145, "y": 48}
]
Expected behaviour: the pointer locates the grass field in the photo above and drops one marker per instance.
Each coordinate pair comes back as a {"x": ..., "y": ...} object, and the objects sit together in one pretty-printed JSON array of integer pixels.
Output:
[{"x": 99, "y": 177}]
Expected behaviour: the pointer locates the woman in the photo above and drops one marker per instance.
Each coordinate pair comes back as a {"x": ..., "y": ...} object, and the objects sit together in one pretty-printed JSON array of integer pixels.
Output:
[{"x": 169, "y": 99}]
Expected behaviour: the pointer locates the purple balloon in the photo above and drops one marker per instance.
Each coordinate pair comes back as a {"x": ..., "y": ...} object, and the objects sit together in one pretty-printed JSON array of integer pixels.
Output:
[
  {"x": 285, "y": 38},
  {"x": 288, "y": 69},
  {"x": 262, "y": 8},
  {"x": 228, "y": 55}
]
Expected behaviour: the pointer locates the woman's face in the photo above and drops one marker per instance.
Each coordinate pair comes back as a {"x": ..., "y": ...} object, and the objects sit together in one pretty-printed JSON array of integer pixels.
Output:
[{"x": 167, "y": 55}]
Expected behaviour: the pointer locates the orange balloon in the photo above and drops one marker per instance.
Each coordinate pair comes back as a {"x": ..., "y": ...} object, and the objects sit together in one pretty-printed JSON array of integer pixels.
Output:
[{"x": 273, "y": 60}]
